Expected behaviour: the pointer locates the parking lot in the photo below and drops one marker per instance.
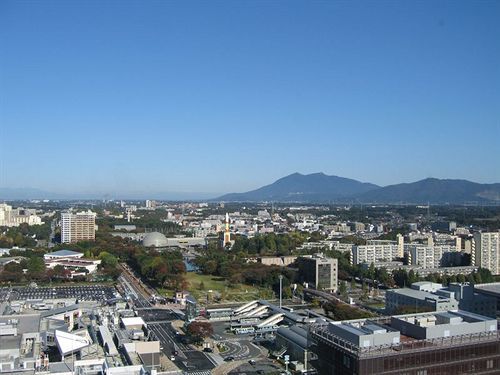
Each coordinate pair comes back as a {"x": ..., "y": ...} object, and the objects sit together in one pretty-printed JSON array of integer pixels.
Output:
[{"x": 82, "y": 293}]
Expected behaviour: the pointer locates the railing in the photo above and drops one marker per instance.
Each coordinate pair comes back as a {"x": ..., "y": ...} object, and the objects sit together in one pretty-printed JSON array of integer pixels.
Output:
[{"x": 414, "y": 345}]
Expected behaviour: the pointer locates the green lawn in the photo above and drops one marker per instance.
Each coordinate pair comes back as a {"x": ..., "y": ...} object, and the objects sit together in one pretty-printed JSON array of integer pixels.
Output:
[{"x": 219, "y": 286}]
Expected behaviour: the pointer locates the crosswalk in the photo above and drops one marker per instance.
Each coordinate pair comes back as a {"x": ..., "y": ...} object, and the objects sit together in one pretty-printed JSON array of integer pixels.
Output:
[{"x": 207, "y": 372}]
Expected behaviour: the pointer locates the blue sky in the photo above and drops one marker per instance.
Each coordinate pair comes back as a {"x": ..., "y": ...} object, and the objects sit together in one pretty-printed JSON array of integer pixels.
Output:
[{"x": 123, "y": 96}]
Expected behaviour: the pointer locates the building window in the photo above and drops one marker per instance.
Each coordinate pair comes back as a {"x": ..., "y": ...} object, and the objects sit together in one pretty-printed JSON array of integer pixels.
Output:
[
  {"x": 489, "y": 364},
  {"x": 422, "y": 372},
  {"x": 347, "y": 361}
]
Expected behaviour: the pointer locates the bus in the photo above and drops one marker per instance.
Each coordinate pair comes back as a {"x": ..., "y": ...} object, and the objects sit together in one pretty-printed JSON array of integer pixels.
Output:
[{"x": 244, "y": 330}]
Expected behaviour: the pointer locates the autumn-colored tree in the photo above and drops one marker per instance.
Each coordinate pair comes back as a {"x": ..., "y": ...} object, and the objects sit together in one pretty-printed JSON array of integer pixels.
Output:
[{"x": 200, "y": 330}]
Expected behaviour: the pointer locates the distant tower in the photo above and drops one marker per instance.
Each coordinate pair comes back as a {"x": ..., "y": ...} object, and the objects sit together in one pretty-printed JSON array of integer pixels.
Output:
[{"x": 227, "y": 233}]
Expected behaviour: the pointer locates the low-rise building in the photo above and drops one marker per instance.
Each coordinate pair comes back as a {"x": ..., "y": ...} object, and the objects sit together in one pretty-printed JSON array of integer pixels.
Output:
[{"x": 414, "y": 299}]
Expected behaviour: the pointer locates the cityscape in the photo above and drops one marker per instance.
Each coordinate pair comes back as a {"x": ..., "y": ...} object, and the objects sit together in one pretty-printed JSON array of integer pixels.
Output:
[{"x": 246, "y": 187}]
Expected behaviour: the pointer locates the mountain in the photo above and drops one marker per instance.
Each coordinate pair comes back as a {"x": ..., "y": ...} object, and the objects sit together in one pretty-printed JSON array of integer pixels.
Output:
[
  {"x": 319, "y": 187},
  {"x": 436, "y": 191},
  {"x": 316, "y": 187}
]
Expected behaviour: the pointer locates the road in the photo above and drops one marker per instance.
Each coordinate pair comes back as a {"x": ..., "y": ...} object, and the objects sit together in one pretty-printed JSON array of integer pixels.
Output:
[{"x": 159, "y": 323}]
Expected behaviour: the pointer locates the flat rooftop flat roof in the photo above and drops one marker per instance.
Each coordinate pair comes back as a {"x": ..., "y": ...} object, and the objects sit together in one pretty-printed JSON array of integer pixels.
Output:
[
  {"x": 418, "y": 294},
  {"x": 26, "y": 323},
  {"x": 491, "y": 288}
]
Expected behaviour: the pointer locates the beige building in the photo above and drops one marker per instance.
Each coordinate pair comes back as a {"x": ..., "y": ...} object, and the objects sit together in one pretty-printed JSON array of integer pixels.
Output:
[
  {"x": 486, "y": 251},
  {"x": 282, "y": 261},
  {"x": 10, "y": 217},
  {"x": 78, "y": 227}
]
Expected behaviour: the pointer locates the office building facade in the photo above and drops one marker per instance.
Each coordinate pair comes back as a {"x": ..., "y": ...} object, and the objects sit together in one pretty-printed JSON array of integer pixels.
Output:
[{"x": 319, "y": 271}]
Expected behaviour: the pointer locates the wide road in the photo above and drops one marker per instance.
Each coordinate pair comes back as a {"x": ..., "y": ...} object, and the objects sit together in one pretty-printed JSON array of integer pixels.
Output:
[{"x": 159, "y": 323}]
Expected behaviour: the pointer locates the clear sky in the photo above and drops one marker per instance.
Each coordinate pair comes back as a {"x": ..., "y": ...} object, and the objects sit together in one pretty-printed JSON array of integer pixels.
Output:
[{"x": 223, "y": 96}]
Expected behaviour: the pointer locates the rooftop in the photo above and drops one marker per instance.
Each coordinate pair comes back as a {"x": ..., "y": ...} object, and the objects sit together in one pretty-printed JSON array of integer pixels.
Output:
[
  {"x": 424, "y": 331},
  {"x": 64, "y": 253},
  {"x": 417, "y": 294},
  {"x": 491, "y": 288}
]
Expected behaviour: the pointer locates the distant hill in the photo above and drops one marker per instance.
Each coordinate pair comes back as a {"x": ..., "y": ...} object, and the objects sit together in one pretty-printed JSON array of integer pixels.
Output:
[
  {"x": 319, "y": 187},
  {"x": 434, "y": 191},
  {"x": 316, "y": 187}
]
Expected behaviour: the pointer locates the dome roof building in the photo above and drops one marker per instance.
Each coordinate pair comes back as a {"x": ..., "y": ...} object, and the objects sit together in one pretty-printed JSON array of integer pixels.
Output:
[{"x": 155, "y": 239}]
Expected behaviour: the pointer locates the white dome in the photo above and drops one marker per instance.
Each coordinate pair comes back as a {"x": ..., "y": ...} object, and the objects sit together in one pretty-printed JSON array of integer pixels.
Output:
[{"x": 155, "y": 239}]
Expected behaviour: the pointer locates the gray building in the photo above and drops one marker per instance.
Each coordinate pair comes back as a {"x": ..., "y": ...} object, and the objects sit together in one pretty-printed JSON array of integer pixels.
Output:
[
  {"x": 490, "y": 290},
  {"x": 293, "y": 342},
  {"x": 448, "y": 342},
  {"x": 319, "y": 271},
  {"x": 471, "y": 301},
  {"x": 420, "y": 297}
]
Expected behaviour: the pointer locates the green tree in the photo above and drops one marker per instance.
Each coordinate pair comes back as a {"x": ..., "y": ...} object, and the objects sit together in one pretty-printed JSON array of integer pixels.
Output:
[
  {"x": 343, "y": 289},
  {"x": 108, "y": 260},
  {"x": 36, "y": 265}
]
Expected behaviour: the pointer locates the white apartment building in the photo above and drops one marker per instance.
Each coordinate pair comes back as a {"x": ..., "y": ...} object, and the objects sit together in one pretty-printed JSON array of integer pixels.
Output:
[
  {"x": 375, "y": 251},
  {"x": 14, "y": 217},
  {"x": 486, "y": 251},
  {"x": 77, "y": 227},
  {"x": 427, "y": 256}
]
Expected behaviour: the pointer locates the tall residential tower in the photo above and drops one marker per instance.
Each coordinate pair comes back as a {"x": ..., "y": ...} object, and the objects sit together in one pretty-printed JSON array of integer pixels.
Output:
[
  {"x": 227, "y": 233},
  {"x": 486, "y": 247},
  {"x": 78, "y": 227}
]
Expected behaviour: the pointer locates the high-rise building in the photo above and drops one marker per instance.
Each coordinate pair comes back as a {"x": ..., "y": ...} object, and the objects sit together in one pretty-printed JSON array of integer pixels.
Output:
[
  {"x": 78, "y": 227},
  {"x": 227, "y": 232},
  {"x": 487, "y": 251},
  {"x": 319, "y": 271}
]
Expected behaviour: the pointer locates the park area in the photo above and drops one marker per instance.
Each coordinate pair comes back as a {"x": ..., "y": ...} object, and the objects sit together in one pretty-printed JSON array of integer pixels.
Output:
[{"x": 208, "y": 289}]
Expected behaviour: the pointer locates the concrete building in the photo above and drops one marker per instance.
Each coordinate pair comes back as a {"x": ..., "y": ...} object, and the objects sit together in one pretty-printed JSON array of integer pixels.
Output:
[
  {"x": 319, "y": 271},
  {"x": 357, "y": 227},
  {"x": 487, "y": 251},
  {"x": 429, "y": 256},
  {"x": 375, "y": 251},
  {"x": 419, "y": 298},
  {"x": 63, "y": 254},
  {"x": 282, "y": 261},
  {"x": 490, "y": 290},
  {"x": 453, "y": 342},
  {"x": 155, "y": 239},
  {"x": 10, "y": 217},
  {"x": 78, "y": 227},
  {"x": 293, "y": 342},
  {"x": 474, "y": 302}
]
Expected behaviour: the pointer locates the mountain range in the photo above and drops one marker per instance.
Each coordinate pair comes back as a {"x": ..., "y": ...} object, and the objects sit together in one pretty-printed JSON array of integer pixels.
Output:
[
  {"x": 311, "y": 188},
  {"x": 318, "y": 187}
]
